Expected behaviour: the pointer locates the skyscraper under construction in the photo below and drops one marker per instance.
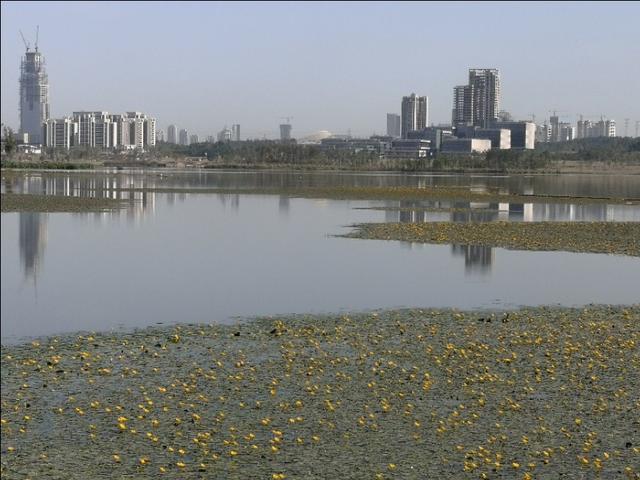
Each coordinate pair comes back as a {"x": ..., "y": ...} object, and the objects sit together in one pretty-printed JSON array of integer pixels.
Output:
[{"x": 34, "y": 95}]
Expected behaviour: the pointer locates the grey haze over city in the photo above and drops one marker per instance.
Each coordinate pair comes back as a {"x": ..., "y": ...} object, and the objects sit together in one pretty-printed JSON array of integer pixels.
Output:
[{"x": 336, "y": 67}]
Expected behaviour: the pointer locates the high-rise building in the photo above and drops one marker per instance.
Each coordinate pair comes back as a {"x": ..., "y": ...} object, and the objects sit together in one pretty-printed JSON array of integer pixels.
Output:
[
  {"x": 485, "y": 84},
  {"x": 159, "y": 135},
  {"x": 285, "y": 132},
  {"x": 172, "y": 134},
  {"x": 183, "y": 138},
  {"x": 393, "y": 125},
  {"x": 462, "y": 105},
  {"x": 34, "y": 96},
  {"x": 235, "y": 132},
  {"x": 414, "y": 114},
  {"x": 193, "y": 139}
]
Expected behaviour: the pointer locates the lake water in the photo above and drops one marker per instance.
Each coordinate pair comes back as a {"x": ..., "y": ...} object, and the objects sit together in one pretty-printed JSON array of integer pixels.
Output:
[{"x": 195, "y": 257}]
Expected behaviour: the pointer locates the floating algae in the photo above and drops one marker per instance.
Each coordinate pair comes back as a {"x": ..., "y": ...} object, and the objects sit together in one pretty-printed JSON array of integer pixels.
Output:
[
  {"x": 621, "y": 238},
  {"x": 531, "y": 393}
]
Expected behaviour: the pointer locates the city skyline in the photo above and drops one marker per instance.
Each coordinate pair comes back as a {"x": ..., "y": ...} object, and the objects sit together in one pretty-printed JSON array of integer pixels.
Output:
[{"x": 307, "y": 71}]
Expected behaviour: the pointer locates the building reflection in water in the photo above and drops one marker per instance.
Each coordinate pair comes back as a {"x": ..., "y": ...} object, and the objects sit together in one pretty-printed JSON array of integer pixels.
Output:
[
  {"x": 33, "y": 226},
  {"x": 284, "y": 205},
  {"x": 477, "y": 258},
  {"x": 32, "y": 240},
  {"x": 232, "y": 199}
]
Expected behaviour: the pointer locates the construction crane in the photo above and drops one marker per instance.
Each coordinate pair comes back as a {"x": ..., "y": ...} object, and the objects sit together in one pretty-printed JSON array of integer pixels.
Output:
[
  {"x": 26, "y": 44},
  {"x": 555, "y": 114}
]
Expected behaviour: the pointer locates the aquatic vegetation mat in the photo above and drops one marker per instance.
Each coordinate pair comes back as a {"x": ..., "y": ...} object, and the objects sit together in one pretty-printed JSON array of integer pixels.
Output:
[
  {"x": 17, "y": 202},
  {"x": 541, "y": 393},
  {"x": 621, "y": 238}
]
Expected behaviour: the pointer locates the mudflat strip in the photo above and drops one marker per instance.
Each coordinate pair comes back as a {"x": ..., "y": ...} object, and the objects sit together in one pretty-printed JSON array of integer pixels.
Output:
[
  {"x": 17, "y": 202},
  {"x": 622, "y": 238},
  {"x": 533, "y": 393}
]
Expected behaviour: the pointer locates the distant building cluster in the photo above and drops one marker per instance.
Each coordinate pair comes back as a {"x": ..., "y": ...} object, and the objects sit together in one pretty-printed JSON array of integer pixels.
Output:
[
  {"x": 131, "y": 130},
  {"x": 128, "y": 131},
  {"x": 557, "y": 131},
  {"x": 477, "y": 123},
  {"x": 182, "y": 137}
]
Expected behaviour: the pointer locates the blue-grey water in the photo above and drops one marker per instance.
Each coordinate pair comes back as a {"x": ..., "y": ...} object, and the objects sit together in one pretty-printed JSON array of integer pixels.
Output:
[{"x": 185, "y": 257}]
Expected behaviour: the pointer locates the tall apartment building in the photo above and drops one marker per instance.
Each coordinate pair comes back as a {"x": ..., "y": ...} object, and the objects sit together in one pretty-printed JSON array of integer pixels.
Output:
[
  {"x": 393, "y": 125},
  {"x": 183, "y": 137},
  {"x": 414, "y": 114},
  {"x": 132, "y": 130},
  {"x": 60, "y": 133},
  {"x": 543, "y": 133},
  {"x": 235, "y": 132},
  {"x": 34, "y": 96},
  {"x": 172, "y": 134},
  {"x": 462, "y": 105},
  {"x": 194, "y": 139},
  {"x": 485, "y": 86}
]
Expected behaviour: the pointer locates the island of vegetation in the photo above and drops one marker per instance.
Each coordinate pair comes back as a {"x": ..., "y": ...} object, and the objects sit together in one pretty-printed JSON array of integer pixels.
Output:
[{"x": 622, "y": 238}]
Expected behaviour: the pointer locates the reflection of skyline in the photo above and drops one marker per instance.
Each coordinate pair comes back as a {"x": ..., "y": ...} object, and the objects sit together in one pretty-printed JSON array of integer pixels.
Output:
[
  {"x": 479, "y": 259},
  {"x": 128, "y": 189},
  {"x": 32, "y": 239}
]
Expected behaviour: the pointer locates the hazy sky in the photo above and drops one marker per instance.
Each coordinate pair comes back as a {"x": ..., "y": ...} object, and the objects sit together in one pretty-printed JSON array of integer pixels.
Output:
[{"x": 333, "y": 66}]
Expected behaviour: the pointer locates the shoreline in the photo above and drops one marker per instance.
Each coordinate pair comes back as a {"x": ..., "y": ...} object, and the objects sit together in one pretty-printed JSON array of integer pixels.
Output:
[
  {"x": 563, "y": 168},
  {"x": 545, "y": 391}
]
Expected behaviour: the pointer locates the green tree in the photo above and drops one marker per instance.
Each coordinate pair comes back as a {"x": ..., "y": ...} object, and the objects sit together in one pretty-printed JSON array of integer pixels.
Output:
[{"x": 9, "y": 141}]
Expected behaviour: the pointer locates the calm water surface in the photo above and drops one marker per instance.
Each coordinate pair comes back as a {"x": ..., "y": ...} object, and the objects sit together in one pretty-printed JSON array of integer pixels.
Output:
[{"x": 185, "y": 257}]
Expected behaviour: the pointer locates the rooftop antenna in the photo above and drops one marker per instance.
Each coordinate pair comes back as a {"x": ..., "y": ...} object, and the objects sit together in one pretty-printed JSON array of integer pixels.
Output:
[
  {"x": 37, "y": 34},
  {"x": 26, "y": 44}
]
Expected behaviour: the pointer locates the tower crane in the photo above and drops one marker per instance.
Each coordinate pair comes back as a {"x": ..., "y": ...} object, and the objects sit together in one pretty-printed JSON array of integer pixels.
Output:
[{"x": 26, "y": 44}]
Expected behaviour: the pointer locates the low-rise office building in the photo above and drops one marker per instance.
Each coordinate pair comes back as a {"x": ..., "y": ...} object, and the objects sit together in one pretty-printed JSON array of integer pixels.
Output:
[
  {"x": 466, "y": 145},
  {"x": 409, "y": 149},
  {"x": 500, "y": 137},
  {"x": 436, "y": 135},
  {"x": 523, "y": 134},
  {"x": 356, "y": 145}
]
